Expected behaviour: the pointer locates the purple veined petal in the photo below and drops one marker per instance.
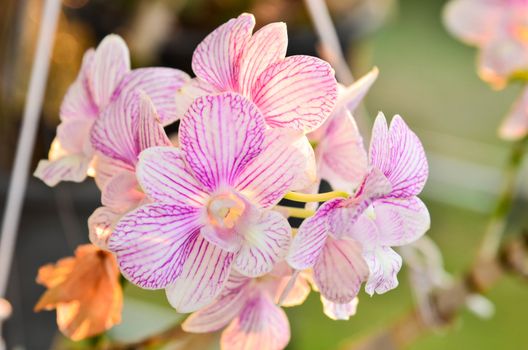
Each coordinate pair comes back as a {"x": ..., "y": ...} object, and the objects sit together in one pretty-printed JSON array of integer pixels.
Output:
[
  {"x": 217, "y": 315},
  {"x": 190, "y": 91},
  {"x": 101, "y": 225},
  {"x": 298, "y": 93},
  {"x": 365, "y": 230},
  {"x": 204, "y": 275},
  {"x": 515, "y": 125},
  {"x": 110, "y": 65},
  {"x": 399, "y": 155},
  {"x": 160, "y": 84},
  {"x": 115, "y": 132},
  {"x": 165, "y": 177},
  {"x": 106, "y": 168},
  {"x": 266, "y": 240},
  {"x": 267, "y": 46},
  {"x": 224, "y": 238},
  {"x": 349, "y": 97},
  {"x": 220, "y": 135},
  {"x": 151, "y": 132},
  {"x": 501, "y": 57},
  {"x": 67, "y": 168},
  {"x": 153, "y": 242},
  {"x": 260, "y": 325},
  {"x": 337, "y": 311},
  {"x": 267, "y": 178},
  {"x": 473, "y": 21},
  {"x": 342, "y": 156},
  {"x": 78, "y": 103},
  {"x": 401, "y": 221},
  {"x": 121, "y": 192},
  {"x": 216, "y": 57},
  {"x": 340, "y": 270},
  {"x": 309, "y": 242},
  {"x": 384, "y": 265}
]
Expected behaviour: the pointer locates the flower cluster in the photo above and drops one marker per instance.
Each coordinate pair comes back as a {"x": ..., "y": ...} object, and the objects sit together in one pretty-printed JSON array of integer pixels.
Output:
[
  {"x": 200, "y": 216},
  {"x": 499, "y": 28}
]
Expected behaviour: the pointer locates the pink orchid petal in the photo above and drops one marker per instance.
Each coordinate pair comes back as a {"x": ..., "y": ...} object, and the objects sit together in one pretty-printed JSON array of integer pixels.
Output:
[
  {"x": 260, "y": 325},
  {"x": 220, "y": 135},
  {"x": 401, "y": 221},
  {"x": 384, "y": 265},
  {"x": 265, "y": 242},
  {"x": 267, "y": 46},
  {"x": 473, "y": 21},
  {"x": 217, "y": 315},
  {"x": 160, "y": 84},
  {"x": 309, "y": 242},
  {"x": 151, "y": 132},
  {"x": 349, "y": 97},
  {"x": 340, "y": 270},
  {"x": 343, "y": 158},
  {"x": 78, "y": 103},
  {"x": 74, "y": 136},
  {"x": 337, "y": 311},
  {"x": 203, "y": 277},
  {"x": 216, "y": 57},
  {"x": 515, "y": 125},
  {"x": 190, "y": 91},
  {"x": 164, "y": 176},
  {"x": 68, "y": 168},
  {"x": 298, "y": 93},
  {"x": 101, "y": 225},
  {"x": 267, "y": 178},
  {"x": 106, "y": 168},
  {"x": 153, "y": 242},
  {"x": 122, "y": 192},
  {"x": 110, "y": 64},
  {"x": 399, "y": 154},
  {"x": 297, "y": 295}
]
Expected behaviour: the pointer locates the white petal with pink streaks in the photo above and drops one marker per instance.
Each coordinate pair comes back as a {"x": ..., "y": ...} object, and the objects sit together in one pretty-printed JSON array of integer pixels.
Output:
[
  {"x": 204, "y": 275},
  {"x": 153, "y": 242},
  {"x": 337, "y": 311},
  {"x": 220, "y": 135},
  {"x": 264, "y": 243},
  {"x": 384, "y": 265},
  {"x": 216, "y": 57},
  {"x": 298, "y": 93},
  {"x": 121, "y": 192},
  {"x": 67, "y": 168}
]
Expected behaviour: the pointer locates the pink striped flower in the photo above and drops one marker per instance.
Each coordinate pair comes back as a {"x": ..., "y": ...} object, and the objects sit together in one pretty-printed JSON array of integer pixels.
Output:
[
  {"x": 499, "y": 28},
  {"x": 341, "y": 156},
  {"x": 247, "y": 308},
  {"x": 105, "y": 75},
  {"x": 296, "y": 92},
  {"x": 348, "y": 241},
  {"x": 209, "y": 203}
]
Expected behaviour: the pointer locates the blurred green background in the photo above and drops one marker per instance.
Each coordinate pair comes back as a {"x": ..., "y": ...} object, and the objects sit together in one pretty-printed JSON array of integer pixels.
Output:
[{"x": 425, "y": 75}]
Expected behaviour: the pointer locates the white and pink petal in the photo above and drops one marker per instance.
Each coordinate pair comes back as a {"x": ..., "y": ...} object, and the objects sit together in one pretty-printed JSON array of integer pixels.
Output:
[
  {"x": 337, "y": 311},
  {"x": 384, "y": 264}
]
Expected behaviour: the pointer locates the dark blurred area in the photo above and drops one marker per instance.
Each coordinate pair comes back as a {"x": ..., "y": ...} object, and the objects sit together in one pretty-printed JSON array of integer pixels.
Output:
[{"x": 425, "y": 75}]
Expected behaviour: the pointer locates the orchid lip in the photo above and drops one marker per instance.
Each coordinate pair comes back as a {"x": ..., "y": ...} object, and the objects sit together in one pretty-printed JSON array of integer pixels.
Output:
[{"x": 224, "y": 210}]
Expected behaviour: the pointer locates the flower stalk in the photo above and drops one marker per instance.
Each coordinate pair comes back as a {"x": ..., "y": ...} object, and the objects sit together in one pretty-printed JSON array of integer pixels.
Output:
[{"x": 319, "y": 197}]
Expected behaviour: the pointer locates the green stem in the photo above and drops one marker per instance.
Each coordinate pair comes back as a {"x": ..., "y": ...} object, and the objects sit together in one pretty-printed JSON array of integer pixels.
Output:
[{"x": 498, "y": 220}]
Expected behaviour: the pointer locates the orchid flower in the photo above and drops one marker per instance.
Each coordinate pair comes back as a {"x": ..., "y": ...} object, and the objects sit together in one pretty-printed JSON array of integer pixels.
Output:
[
  {"x": 341, "y": 156},
  {"x": 210, "y": 203},
  {"x": 127, "y": 127},
  {"x": 296, "y": 92},
  {"x": 248, "y": 308},
  {"x": 348, "y": 241},
  {"x": 104, "y": 76},
  {"x": 499, "y": 28}
]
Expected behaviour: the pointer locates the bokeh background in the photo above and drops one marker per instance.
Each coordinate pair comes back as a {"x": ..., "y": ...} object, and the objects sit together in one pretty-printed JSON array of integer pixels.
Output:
[{"x": 425, "y": 75}]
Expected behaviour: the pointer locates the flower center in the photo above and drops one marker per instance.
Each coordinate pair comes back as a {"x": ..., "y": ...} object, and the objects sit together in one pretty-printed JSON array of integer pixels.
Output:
[{"x": 224, "y": 210}]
